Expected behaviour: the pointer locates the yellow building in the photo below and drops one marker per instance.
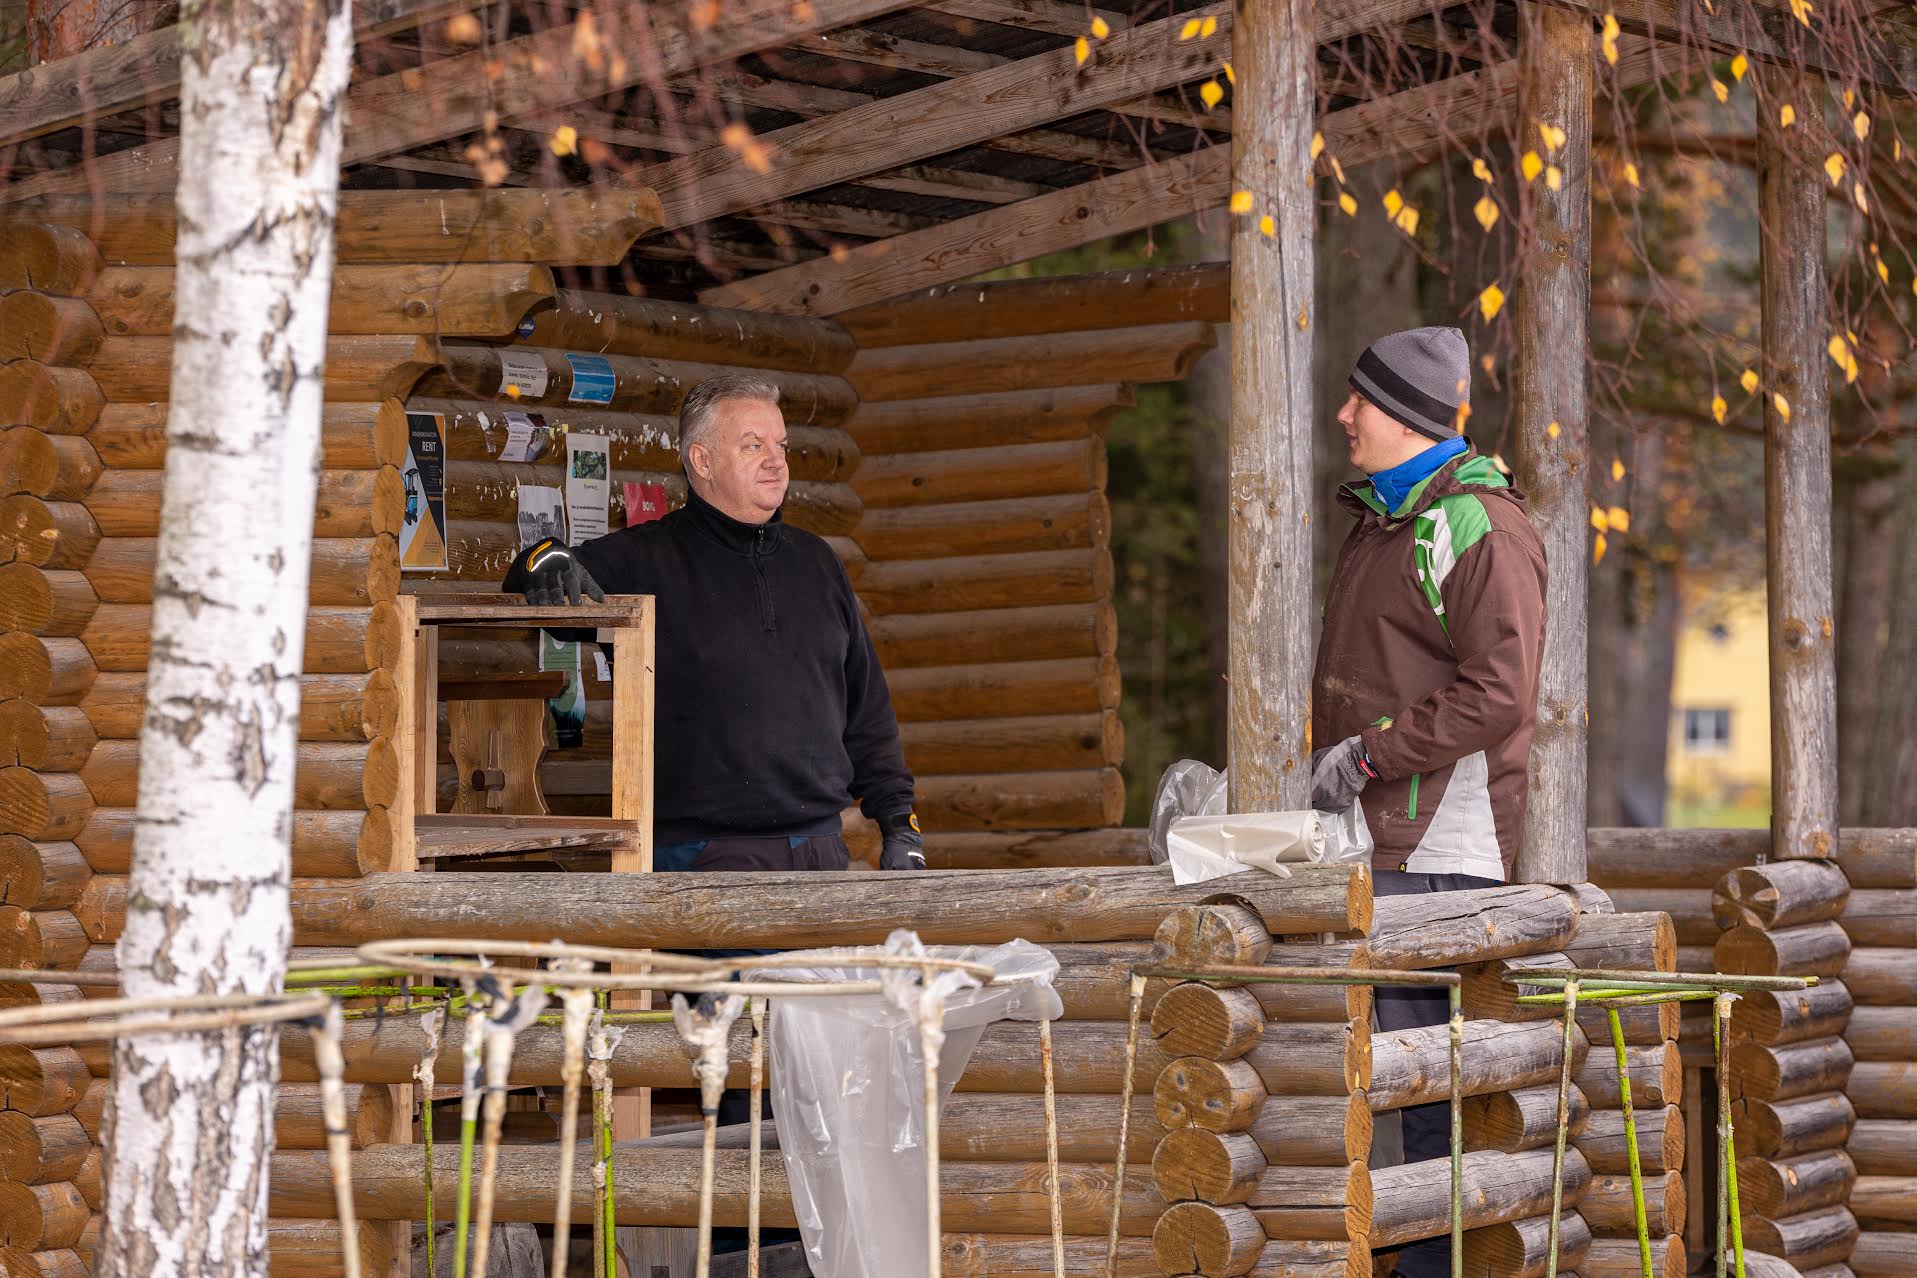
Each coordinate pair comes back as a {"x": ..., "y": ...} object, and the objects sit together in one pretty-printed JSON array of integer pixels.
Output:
[{"x": 1720, "y": 755}]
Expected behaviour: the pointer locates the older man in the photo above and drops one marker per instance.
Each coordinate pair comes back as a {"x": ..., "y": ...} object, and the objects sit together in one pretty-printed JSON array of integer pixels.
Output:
[{"x": 773, "y": 714}]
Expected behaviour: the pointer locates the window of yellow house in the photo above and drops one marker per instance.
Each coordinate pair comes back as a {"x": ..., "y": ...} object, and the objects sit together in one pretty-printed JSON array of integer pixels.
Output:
[{"x": 1707, "y": 731}]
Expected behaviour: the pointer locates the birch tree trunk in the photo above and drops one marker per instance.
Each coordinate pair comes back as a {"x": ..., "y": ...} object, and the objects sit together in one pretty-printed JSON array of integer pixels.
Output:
[{"x": 191, "y": 1125}]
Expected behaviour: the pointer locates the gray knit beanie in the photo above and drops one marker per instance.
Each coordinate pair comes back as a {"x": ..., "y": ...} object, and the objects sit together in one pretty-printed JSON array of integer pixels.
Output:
[{"x": 1419, "y": 377}]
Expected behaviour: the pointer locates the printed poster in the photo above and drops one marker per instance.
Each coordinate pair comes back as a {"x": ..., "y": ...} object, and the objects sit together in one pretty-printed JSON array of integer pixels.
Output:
[
  {"x": 422, "y": 537},
  {"x": 527, "y": 437},
  {"x": 644, "y": 503},
  {"x": 592, "y": 379},
  {"x": 542, "y": 513},
  {"x": 588, "y": 487},
  {"x": 522, "y": 375}
]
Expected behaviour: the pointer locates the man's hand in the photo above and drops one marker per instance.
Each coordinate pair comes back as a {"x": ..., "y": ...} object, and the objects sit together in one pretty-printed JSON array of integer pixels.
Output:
[
  {"x": 904, "y": 847},
  {"x": 1338, "y": 775},
  {"x": 547, "y": 573}
]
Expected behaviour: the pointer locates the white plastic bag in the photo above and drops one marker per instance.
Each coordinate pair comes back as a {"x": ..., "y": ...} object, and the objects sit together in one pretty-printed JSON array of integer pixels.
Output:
[
  {"x": 848, "y": 1086},
  {"x": 1191, "y": 829}
]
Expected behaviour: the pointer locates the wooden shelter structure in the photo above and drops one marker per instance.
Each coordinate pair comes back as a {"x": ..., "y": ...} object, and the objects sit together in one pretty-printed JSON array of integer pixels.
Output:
[{"x": 947, "y": 436}]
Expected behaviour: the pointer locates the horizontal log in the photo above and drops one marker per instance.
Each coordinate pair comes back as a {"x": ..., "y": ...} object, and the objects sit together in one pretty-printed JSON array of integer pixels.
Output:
[
  {"x": 1486, "y": 995},
  {"x": 1219, "y": 1096},
  {"x": 53, "y": 259},
  {"x": 1519, "y": 1119},
  {"x": 1626, "y": 940},
  {"x": 1522, "y": 1248},
  {"x": 299, "y": 1123},
  {"x": 56, "y": 603},
  {"x": 1414, "y": 1199},
  {"x": 1003, "y": 1127},
  {"x": 1014, "y": 470},
  {"x": 1059, "y": 304},
  {"x": 349, "y": 503},
  {"x": 1689, "y": 910},
  {"x": 1881, "y": 977},
  {"x": 59, "y": 401},
  {"x": 1880, "y": 1253},
  {"x": 49, "y": 738},
  {"x": 708, "y": 910},
  {"x": 1413, "y": 1066},
  {"x": 1793, "y": 1016},
  {"x": 40, "y": 1151},
  {"x": 1083, "y": 685},
  {"x": 328, "y": 775},
  {"x": 139, "y": 369},
  {"x": 42, "y": 938},
  {"x": 460, "y": 299},
  {"x": 1623, "y": 1258},
  {"x": 1884, "y": 1146},
  {"x": 661, "y": 1186},
  {"x": 1790, "y": 1186},
  {"x": 1303, "y": 1204},
  {"x": 978, "y": 366},
  {"x": 1030, "y": 1256},
  {"x": 1607, "y": 1206},
  {"x": 50, "y": 534},
  {"x": 1885, "y": 1198},
  {"x": 41, "y": 1217},
  {"x": 1871, "y": 857},
  {"x": 613, "y": 323},
  {"x": 1304, "y": 1059},
  {"x": 353, "y": 436},
  {"x": 1775, "y": 1072},
  {"x": 969, "y": 582},
  {"x": 1881, "y": 917},
  {"x": 1815, "y": 1238},
  {"x": 53, "y": 330},
  {"x": 326, "y": 845},
  {"x": 1816, "y": 949},
  {"x": 578, "y": 225},
  {"x": 1193, "y": 1164},
  {"x": 1660, "y": 1139},
  {"x": 59, "y": 467},
  {"x": 1013, "y": 745},
  {"x": 1441, "y": 929},
  {"x": 989, "y": 636},
  {"x": 1878, "y": 857},
  {"x": 333, "y": 707},
  {"x": 343, "y": 572},
  {"x": 642, "y": 384},
  {"x": 1656, "y": 1072},
  {"x": 1207, "y": 1239},
  {"x": 46, "y": 807},
  {"x": 40, "y": 1081},
  {"x": 949, "y": 422},
  {"x": 1220, "y": 933},
  {"x": 1884, "y": 1089},
  {"x": 1782, "y": 1129},
  {"x": 1020, "y": 800},
  {"x": 1067, "y": 521},
  {"x": 338, "y": 640},
  {"x": 1193, "y": 1019},
  {"x": 311, "y": 1248},
  {"x": 40, "y": 876},
  {"x": 1780, "y": 894},
  {"x": 1028, "y": 849}
]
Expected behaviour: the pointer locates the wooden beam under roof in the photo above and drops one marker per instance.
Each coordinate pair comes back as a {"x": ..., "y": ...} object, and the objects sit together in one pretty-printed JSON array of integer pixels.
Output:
[
  {"x": 449, "y": 97},
  {"x": 1415, "y": 125},
  {"x": 1775, "y": 36}
]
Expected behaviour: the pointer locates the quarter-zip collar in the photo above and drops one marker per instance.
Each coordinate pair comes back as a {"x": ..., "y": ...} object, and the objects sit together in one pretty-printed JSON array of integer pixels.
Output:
[
  {"x": 1468, "y": 469},
  {"x": 735, "y": 534}
]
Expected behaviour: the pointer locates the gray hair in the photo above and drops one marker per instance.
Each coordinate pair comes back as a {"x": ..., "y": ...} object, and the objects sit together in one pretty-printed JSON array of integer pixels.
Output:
[{"x": 696, "y": 414}]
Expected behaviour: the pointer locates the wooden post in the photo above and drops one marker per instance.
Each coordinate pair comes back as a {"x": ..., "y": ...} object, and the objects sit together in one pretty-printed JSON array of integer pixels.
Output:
[
  {"x": 1553, "y": 319},
  {"x": 1797, "y": 487},
  {"x": 1271, "y": 407}
]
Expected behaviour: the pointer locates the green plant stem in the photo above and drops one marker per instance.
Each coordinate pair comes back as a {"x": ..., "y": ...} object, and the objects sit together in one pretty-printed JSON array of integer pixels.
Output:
[{"x": 1630, "y": 1144}]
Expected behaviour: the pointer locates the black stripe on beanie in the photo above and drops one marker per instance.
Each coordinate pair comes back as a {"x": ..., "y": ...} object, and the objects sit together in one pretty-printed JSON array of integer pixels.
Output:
[{"x": 1436, "y": 415}]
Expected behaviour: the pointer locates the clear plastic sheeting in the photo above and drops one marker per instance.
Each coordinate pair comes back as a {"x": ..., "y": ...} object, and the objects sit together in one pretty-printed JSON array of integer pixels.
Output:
[
  {"x": 848, "y": 1086},
  {"x": 1191, "y": 829}
]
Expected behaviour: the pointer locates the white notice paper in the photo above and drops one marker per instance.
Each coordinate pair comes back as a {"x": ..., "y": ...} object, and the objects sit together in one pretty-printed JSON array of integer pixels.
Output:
[
  {"x": 526, "y": 437},
  {"x": 588, "y": 487},
  {"x": 542, "y": 513},
  {"x": 519, "y": 371}
]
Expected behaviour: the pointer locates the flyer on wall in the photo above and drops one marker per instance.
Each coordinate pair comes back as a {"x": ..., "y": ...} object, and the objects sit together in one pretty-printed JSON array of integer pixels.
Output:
[
  {"x": 588, "y": 487},
  {"x": 542, "y": 514},
  {"x": 422, "y": 535}
]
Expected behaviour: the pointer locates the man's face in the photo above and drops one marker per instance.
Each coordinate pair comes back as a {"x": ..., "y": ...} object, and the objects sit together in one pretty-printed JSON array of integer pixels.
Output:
[
  {"x": 740, "y": 464},
  {"x": 1377, "y": 441}
]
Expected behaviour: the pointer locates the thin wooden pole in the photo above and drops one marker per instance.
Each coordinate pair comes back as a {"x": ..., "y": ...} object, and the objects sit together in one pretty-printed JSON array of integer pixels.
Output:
[
  {"x": 1272, "y": 277},
  {"x": 1553, "y": 305},
  {"x": 1797, "y": 482}
]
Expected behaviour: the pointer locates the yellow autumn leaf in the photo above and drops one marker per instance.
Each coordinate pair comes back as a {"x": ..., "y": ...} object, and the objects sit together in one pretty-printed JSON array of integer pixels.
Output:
[
  {"x": 1480, "y": 170},
  {"x": 1748, "y": 380},
  {"x": 512, "y": 392},
  {"x": 1617, "y": 470},
  {"x": 1620, "y": 518},
  {"x": 1782, "y": 405},
  {"x": 1337, "y": 169},
  {"x": 1491, "y": 301},
  {"x": 1393, "y": 202},
  {"x": 1883, "y": 272},
  {"x": 1081, "y": 49},
  {"x": 1860, "y": 125},
  {"x": 1317, "y": 145},
  {"x": 1717, "y": 409},
  {"x": 1720, "y": 89},
  {"x": 1553, "y": 177},
  {"x": 1801, "y": 10},
  {"x": 1487, "y": 211},
  {"x": 1304, "y": 319},
  {"x": 1240, "y": 202},
  {"x": 1407, "y": 220},
  {"x": 1101, "y": 28},
  {"x": 1850, "y": 99},
  {"x": 1786, "y": 116},
  {"x": 1599, "y": 520},
  {"x": 1211, "y": 93},
  {"x": 1834, "y": 167},
  {"x": 1857, "y": 197},
  {"x": 1553, "y": 136},
  {"x": 565, "y": 140},
  {"x": 1190, "y": 29},
  {"x": 1630, "y": 175},
  {"x": 1552, "y": 429},
  {"x": 1531, "y": 166},
  {"x": 1209, "y": 29},
  {"x": 1739, "y": 66},
  {"x": 1267, "y": 226},
  {"x": 1609, "y": 38},
  {"x": 1597, "y": 549},
  {"x": 1231, "y": 76},
  {"x": 1348, "y": 203}
]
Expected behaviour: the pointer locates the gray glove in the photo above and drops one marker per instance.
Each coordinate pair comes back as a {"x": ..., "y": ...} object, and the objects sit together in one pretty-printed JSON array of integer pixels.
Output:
[
  {"x": 1338, "y": 775},
  {"x": 904, "y": 846},
  {"x": 547, "y": 573}
]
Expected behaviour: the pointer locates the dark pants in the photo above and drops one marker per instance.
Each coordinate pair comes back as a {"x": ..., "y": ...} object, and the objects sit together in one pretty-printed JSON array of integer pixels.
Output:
[
  {"x": 1427, "y": 1128},
  {"x": 785, "y": 852}
]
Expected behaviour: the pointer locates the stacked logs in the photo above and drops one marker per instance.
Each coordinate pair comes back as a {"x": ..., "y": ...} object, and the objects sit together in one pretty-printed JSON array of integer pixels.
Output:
[{"x": 985, "y": 533}]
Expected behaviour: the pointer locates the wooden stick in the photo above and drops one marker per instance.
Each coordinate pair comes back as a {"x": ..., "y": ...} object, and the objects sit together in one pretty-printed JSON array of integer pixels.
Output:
[{"x": 339, "y": 1139}]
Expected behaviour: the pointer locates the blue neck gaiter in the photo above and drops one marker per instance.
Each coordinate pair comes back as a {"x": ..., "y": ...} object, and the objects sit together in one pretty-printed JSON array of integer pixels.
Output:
[{"x": 1394, "y": 485}]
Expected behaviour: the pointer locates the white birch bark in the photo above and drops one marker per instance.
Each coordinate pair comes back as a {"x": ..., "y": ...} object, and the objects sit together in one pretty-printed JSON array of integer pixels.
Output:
[{"x": 190, "y": 1126}]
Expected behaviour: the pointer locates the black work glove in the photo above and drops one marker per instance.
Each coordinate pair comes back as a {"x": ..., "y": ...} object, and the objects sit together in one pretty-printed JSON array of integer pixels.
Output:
[
  {"x": 904, "y": 846},
  {"x": 547, "y": 573},
  {"x": 1338, "y": 775}
]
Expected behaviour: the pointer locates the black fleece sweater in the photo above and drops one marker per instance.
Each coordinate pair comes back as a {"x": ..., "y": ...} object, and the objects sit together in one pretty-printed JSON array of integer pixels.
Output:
[{"x": 772, "y": 712}]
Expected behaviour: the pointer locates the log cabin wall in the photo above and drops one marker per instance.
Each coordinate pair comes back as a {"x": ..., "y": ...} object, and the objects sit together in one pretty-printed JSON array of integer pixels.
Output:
[{"x": 986, "y": 539}]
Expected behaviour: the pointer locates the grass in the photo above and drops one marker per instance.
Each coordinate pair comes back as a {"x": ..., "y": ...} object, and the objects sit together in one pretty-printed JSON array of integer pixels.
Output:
[{"x": 1716, "y": 814}]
